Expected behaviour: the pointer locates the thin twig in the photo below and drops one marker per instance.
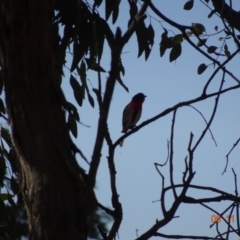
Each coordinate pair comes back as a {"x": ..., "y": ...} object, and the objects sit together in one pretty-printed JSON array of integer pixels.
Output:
[
  {"x": 107, "y": 210},
  {"x": 163, "y": 164},
  {"x": 235, "y": 181},
  {"x": 103, "y": 234},
  {"x": 218, "y": 214},
  {"x": 162, "y": 192},
  {"x": 215, "y": 190},
  {"x": 205, "y": 122},
  {"x": 186, "y": 170},
  {"x": 229, "y": 221},
  {"x": 237, "y": 202},
  {"x": 227, "y": 156},
  {"x": 213, "y": 114},
  {"x": 190, "y": 153},
  {"x": 171, "y": 154}
]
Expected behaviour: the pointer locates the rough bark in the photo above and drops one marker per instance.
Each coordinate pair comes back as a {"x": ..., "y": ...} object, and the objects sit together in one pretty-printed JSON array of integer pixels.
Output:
[
  {"x": 227, "y": 13},
  {"x": 54, "y": 192}
]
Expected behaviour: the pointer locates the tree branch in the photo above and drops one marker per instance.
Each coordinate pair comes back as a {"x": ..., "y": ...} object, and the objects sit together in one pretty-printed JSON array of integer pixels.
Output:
[
  {"x": 170, "y": 213},
  {"x": 183, "y": 236},
  {"x": 227, "y": 156},
  {"x": 168, "y": 110},
  {"x": 213, "y": 114},
  {"x": 118, "y": 45},
  {"x": 183, "y": 29},
  {"x": 205, "y": 122},
  {"x": 227, "y": 13},
  {"x": 171, "y": 154}
]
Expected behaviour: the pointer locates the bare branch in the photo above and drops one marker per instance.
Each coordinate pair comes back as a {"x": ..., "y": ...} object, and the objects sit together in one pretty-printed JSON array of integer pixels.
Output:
[
  {"x": 169, "y": 214},
  {"x": 237, "y": 202},
  {"x": 206, "y": 123},
  {"x": 227, "y": 156},
  {"x": 186, "y": 167},
  {"x": 229, "y": 222},
  {"x": 221, "y": 66},
  {"x": 213, "y": 114},
  {"x": 218, "y": 214},
  {"x": 222, "y": 234},
  {"x": 115, "y": 197},
  {"x": 229, "y": 197},
  {"x": 162, "y": 192},
  {"x": 190, "y": 152},
  {"x": 103, "y": 234},
  {"x": 183, "y": 236},
  {"x": 116, "y": 51},
  {"x": 107, "y": 210},
  {"x": 191, "y": 200},
  {"x": 171, "y": 154},
  {"x": 235, "y": 181},
  {"x": 161, "y": 165},
  {"x": 169, "y": 110}
]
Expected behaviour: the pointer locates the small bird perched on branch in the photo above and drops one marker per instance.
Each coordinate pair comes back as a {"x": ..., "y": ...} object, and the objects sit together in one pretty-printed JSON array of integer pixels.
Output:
[{"x": 132, "y": 113}]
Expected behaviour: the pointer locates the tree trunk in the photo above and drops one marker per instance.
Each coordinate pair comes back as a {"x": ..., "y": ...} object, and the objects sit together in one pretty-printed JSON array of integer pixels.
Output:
[{"x": 52, "y": 188}]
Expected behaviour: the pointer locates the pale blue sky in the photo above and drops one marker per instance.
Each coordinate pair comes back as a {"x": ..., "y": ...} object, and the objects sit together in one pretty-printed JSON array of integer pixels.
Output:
[{"x": 165, "y": 84}]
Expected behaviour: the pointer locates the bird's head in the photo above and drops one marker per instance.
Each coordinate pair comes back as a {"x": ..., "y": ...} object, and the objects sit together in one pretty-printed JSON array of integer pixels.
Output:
[{"x": 138, "y": 97}]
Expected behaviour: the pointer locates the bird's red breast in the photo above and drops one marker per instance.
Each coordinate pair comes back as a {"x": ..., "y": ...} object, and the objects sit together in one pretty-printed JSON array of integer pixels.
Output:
[
  {"x": 137, "y": 105},
  {"x": 132, "y": 113}
]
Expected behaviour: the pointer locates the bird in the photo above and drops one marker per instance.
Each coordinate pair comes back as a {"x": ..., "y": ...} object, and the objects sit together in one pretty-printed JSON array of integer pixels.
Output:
[{"x": 132, "y": 113}]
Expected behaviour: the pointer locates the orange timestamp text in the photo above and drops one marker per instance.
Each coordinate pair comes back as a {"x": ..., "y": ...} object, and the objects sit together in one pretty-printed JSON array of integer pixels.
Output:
[{"x": 218, "y": 218}]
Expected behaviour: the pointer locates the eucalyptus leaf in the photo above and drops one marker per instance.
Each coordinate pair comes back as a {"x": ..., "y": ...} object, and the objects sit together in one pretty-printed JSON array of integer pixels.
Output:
[
  {"x": 227, "y": 53},
  {"x": 90, "y": 99},
  {"x": 77, "y": 90},
  {"x": 188, "y": 5},
  {"x": 121, "y": 83},
  {"x": 211, "y": 13},
  {"x": 1, "y": 82},
  {"x": 177, "y": 39},
  {"x": 225, "y": 47},
  {"x": 78, "y": 53},
  {"x": 198, "y": 28},
  {"x": 72, "y": 125},
  {"x": 175, "y": 52},
  {"x": 73, "y": 111},
  {"x": 150, "y": 35},
  {"x": 201, "y": 68},
  {"x": 212, "y": 49},
  {"x": 2, "y": 108},
  {"x": 6, "y": 136}
]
